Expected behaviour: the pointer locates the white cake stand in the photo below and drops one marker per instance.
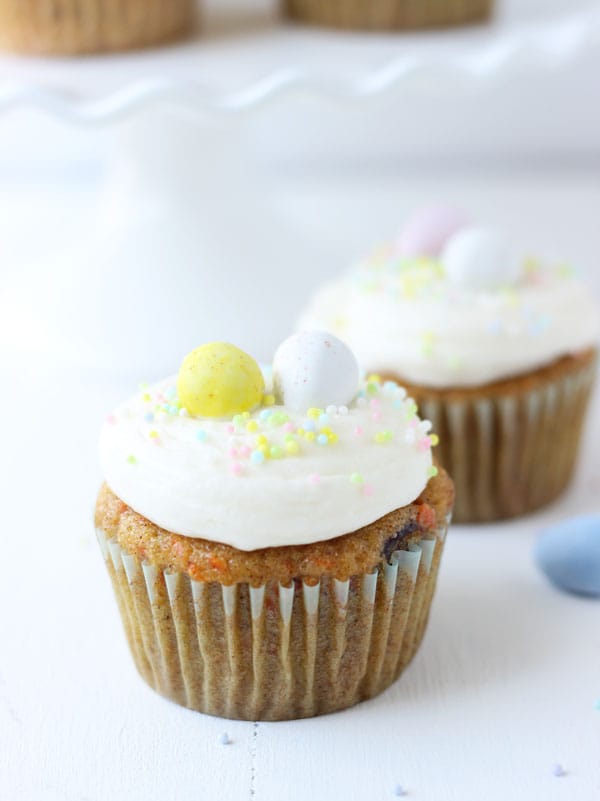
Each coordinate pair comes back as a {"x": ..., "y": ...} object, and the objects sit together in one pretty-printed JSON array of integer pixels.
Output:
[{"x": 188, "y": 244}]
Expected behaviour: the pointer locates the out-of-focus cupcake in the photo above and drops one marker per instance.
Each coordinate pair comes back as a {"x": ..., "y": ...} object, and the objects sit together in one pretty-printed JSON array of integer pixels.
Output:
[
  {"x": 388, "y": 14},
  {"x": 273, "y": 556},
  {"x": 499, "y": 352},
  {"x": 73, "y": 27}
]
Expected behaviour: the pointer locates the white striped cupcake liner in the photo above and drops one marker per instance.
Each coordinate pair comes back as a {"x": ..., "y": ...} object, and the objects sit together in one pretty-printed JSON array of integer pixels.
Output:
[
  {"x": 511, "y": 454},
  {"x": 274, "y": 652}
]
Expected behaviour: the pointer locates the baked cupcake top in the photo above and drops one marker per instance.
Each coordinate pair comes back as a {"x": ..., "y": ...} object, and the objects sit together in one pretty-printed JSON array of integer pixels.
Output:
[
  {"x": 300, "y": 453},
  {"x": 450, "y": 305}
]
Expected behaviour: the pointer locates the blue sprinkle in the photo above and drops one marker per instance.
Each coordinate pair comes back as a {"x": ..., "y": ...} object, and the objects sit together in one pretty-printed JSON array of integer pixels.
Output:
[
  {"x": 399, "y": 790},
  {"x": 323, "y": 420},
  {"x": 257, "y": 457},
  {"x": 265, "y": 414},
  {"x": 224, "y": 739},
  {"x": 148, "y": 417},
  {"x": 170, "y": 393},
  {"x": 322, "y": 439},
  {"x": 390, "y": 385},
  {"x": 309, "y": 425},
  {"x": 201, "y": 435},
  {"x": 398, "y": 403},
  {"x": 558, "y": 770}
]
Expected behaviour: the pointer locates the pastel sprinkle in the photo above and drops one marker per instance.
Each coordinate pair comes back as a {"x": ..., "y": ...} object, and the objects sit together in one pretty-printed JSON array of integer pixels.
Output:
[
  {"x": 323, "y": 439},
  {"x": 383, "y": 436},
  {"x": 111, "y": 419},
  {"x": 357, "y": 478},
  {"x": 230, "y": 428},
  {"x": 184, "y": 413},
  {"x": 201, "y": 435},
  {"x": 257, "y": 457},
  {"x": 153, "y": 434},
  {"x": 358, "y": 431},
  {"x": 237, "y": 469},
  {"x": 314, "y": 413},
  {"x": 434, "y": 439},
  {"x": 288, "y": 427},
  {"x": 368, "y": 489},
  {"x": 424, "y": 444},
  {"x": 265, "y": 414},
  {"x": 309, "y": 425},
  {"x": 131, "y": 459},
  {"x": 146, "y": 397},
  {"x": 224, "y": 739},
  {"x": 323, "y": 420},
  {"x": 276, "y": 452},
  {"x": 268, "y": 400},
  {"x": 244, "y": 451},
  {"x": 148, "y": 417},
  {"x": 376, "y": 415},
  {"x": 399, "y": 790},
  {"x": 432, "y": 472},
  {"x": 252, "y": 426},
  {"x": 314, "y": 478},
  {"x": 292, "y": 447},
  {"x": 558, "y": 770}
]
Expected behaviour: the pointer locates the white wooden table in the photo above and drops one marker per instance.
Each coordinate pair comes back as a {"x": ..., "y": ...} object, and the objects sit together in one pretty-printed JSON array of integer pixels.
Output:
[{"x": 504, "y": 687}]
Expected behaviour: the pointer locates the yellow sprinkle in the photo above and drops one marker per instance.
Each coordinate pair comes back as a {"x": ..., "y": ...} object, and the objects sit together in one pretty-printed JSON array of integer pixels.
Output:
[
  {"x": 434, "y": 439},
  {"x": 374, "y": 379},
  {"x": 310, "y": 436},
  {"x": 146, "y": 397},
  {"x": 264, "y": 449},
  {"x": 325, "y": 430},
  {"x": 262, "y": 440},
  {"x": 333, "y": 438},
  {"x": 153, "y": 434},
  {"x": 314, "y": 413},
  {"x": 268, "y": 400},
  {"x": 292, "y": 447},
  {"x": 245, "y": 415},
  {"x": 252, "y": 425}
]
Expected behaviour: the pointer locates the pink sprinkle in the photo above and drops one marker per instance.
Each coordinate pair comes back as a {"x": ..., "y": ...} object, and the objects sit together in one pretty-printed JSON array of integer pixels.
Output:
[
  {"x": 413, "y": 422},
  {"x": 375, "y": 403},
  {"x": 314, "y": 478},
  {"x": 230, "y": 428},
  {"x": 424, "y": 444},
  {"x": 376, "y": 415},
  {"x": 237, "y": 469},
  {"x": 110, "y": 418},
  {"x": 368, "y": 489},
  {"x": 244, "y": 451},
  {"x": 233, "y": 452},
  {"x": 358, "y": 431},
  {"x": 288, "y": 427}
]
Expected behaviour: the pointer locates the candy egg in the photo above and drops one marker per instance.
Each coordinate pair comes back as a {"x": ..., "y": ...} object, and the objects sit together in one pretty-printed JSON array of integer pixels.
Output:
[
  {"x": 569, "y": 555},
  {"x": 426, "y": 232},
  {"x": 480, "y": 258},
  {"x": 314, "y": 369},
  {"x": 218, "y": 380}
]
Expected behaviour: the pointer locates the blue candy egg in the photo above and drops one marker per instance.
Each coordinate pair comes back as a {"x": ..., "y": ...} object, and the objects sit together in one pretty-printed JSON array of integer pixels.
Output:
[{"x": 569, "y": 555}]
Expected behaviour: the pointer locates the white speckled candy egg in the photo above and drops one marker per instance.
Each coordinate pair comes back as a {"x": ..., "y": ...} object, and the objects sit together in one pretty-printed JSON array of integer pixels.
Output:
[
  {"x": 480, "y": 258},
  {"x": 314, "y": 369},
  {"x": 426, "y": 232},
  {"x": 569, "y": 554}
]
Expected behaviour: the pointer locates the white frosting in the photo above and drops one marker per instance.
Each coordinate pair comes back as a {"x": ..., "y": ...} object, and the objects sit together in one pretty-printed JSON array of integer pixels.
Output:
[
  {"x": 215, "y": 489},
  {"x": 408, "y": 319}
]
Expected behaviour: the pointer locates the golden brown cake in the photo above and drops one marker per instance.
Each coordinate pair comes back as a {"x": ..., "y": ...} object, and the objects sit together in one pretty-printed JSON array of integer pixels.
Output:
[
  {"x": 499, "y": 353},
  {"x": 74, "y": 27},
  {"x": 283, "y": 609},
  {"x": 388, "y": 14}
]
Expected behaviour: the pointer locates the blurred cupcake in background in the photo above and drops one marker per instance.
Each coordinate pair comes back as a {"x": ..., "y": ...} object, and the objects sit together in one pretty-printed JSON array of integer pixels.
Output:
[
  {"x": 388, "y": 14},
  {"x": 273, "y": 551},
  {"x": 498, "y": 351},
  {"x": 74, "y": 27}
]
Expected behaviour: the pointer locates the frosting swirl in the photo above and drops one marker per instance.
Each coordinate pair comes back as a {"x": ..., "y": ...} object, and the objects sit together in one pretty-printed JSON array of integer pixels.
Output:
[{"x": 272, "y": 476}]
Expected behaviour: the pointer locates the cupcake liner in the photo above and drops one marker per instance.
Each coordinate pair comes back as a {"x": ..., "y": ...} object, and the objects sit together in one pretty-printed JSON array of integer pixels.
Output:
[
  {"x": 511, "y": 452},
  {"x": 69, "y": 27},
  {"x": 274, "y": 652},
  {"x": 388, "y": 14}
]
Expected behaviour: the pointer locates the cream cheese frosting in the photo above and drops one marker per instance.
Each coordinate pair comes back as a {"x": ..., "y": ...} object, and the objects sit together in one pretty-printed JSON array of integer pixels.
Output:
[
  {"x": 408, "y": 318},
  {"x": 272, "y": 476}
]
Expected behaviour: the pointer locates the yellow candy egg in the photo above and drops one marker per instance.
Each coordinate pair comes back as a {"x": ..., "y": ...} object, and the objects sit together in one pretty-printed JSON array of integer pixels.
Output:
[{"x": 218, "y": 380}]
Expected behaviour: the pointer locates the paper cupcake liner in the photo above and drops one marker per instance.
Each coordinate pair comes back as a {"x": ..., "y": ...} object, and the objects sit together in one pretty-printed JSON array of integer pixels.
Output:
[
  {"x": 512, "y": 453},
  {"x": 69, "y": 27},
  {"x": 388, "y": 14},
  {"x": 273, "y": 652}
]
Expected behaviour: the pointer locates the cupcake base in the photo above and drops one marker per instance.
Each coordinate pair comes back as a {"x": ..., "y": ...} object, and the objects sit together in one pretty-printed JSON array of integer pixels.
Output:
[
  {"x": 280, "y": 650},
  {"x": 73, "y": 27},
  {"x": 510, "y": 446},
  {"x": 388, "y": 14}
]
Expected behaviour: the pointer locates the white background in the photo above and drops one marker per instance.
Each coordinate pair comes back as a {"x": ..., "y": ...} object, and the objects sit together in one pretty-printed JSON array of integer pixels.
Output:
[{"x": 506, "y": 682}]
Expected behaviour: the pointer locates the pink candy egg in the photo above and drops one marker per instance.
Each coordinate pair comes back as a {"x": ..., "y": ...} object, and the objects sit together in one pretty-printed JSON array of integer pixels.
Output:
[{"x": 427, "y": 231}]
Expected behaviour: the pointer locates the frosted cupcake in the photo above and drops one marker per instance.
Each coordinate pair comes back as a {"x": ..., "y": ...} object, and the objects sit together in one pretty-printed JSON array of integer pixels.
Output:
[
  {"x": 388, "y": 14},
  {"x": 273, "y": 553},
  {"x": 499, "y": 352},
  {"x": 72, "y": 27}
]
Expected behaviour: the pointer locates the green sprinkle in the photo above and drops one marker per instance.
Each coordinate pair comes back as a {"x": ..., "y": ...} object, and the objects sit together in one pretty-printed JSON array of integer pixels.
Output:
[
  {"x": 432, "y": 472},
  {"x": 131, "y": 459},
  {"x": 357, "y": 478},
  {"x": 276, "y": 452}
]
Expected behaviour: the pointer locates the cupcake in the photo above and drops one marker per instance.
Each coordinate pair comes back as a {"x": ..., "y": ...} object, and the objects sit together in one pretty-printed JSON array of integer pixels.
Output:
[
  {"x": 273, "y": 550},
  {"x": 388, "y": 14},
  {"x": 72, "y": 27},
  {"x": 498, "y": 351}
]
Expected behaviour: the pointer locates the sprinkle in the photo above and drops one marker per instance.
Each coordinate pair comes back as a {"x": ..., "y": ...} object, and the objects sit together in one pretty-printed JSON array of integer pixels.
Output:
[
  {"x": 558, "y": 770},
  {"x": 265, "y": 414},
  {"x": 331, "y": 409},
  {"x": 252, "y": 426},
  {"x": 262, "y": 440},
  {"x": 146, "y": 397},
  {"x": 358, "y": 431},
  {"x": 238, "y": 421},
  {"x": 383, "y": 436},
  {"x": 425, "y": 426},
  {"x": 257, "y": 457},
  {"x": 323, "y": 439},
  {"x": 390, "y": 386},
  {"x": 276, "y": 452},
  {"x": 268, "y": 400},
  {"x": 434, "y": 439},
  {"x": 313, "y": 413},
  {"x": 170, "y": 393},
  {"x": 376, "y": 415},
  {"x": 111, "y": 419},
  {"x": 230, "y": 428},
  {"x": 310, "y": 436},
  {"x": 309, "y": 425},
  {"x": 201, "y": 435},
  {"x": 244, "y": 451},
  {"x": 323, "y": 420},
  {"x": 432, "y": 471},
  {"x": 173, "y": 409},
  {"x": 368, "y": 489},
  {"x": 333, "y": 438},
  {"x": 237, "y": 469},
  {"x": 183, "y": 413},
  {"x": 224, "y": 739},
  {"x": 314, "y": 478},
  {"x": 399, "y": 790},
  {"x": 424, "y": 444},
  {"x": 343, "y": 410},
  {"x": 357, "y": 478},
  {"x": 153, "y": 434},
  {"x": 372, "y": 388},
  {"x": 131, "y": 459},
  {"x": 288, "y": 427},
  {"x": 374, "y": 379},
  {"x": 292, "y": 447},
  {"x": 148, "y": 417}
]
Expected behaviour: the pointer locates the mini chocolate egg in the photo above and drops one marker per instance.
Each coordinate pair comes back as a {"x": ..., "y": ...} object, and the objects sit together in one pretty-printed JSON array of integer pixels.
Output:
[
  {"x": 569, "y": 555},
  {"x": 314, "y": 369},
  {"x": 480, "y": 258},
  {"x": 426, "y": 232},
  {"x": 218, "y": 379}
]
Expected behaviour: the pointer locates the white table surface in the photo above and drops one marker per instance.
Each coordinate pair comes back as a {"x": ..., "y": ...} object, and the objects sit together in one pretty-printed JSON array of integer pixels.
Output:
[{"x": 504, "y": 686}]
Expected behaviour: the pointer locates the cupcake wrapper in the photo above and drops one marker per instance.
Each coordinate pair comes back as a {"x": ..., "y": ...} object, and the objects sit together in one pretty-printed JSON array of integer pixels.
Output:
[
  {"x": 388, "y": 14},
  {"x": 511, "y": 454},
  {"x": 274, "y": 652},
  {"x": 69, "y": 27}
]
